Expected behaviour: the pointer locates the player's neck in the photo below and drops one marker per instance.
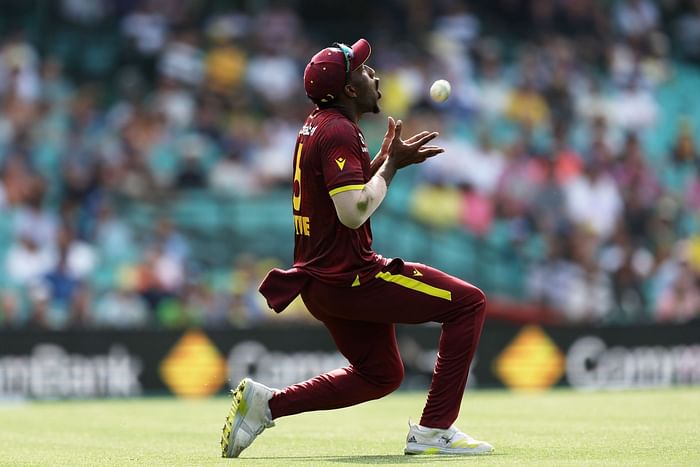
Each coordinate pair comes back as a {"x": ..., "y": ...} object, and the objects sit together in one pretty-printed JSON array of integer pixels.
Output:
[{"x": 348, "y": 110}]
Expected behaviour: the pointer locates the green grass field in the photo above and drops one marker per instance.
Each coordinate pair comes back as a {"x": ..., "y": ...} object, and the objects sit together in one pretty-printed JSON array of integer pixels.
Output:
[{"x": 555, "y": 428}]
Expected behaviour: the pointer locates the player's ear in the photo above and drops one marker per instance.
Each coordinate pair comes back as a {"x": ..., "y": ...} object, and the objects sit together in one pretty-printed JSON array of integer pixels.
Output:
[{"x": 350, "y": 90}]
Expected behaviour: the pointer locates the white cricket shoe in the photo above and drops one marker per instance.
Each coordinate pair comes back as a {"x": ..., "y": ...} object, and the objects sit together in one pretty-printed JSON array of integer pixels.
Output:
[
  {"x": 249, "y": 416},
  {"x": 423, "y": 440}
]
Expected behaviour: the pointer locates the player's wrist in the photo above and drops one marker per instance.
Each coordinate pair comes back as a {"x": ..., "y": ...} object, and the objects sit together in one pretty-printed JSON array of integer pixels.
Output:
[
  {"x": 377, "y": 163},
  {"x": 388, "y": 170}
]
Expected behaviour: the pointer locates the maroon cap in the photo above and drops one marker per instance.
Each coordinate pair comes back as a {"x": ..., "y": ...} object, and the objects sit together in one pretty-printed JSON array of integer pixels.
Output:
[{"x": 324, "y": 76}]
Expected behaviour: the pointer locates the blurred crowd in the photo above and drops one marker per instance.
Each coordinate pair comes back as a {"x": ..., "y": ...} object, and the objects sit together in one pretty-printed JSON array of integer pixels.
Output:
[{"x": 553, "y": 140}]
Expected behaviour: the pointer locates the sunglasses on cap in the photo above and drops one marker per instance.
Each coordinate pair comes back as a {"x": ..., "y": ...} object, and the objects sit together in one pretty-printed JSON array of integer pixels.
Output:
[{"x": 348, "y": 55}]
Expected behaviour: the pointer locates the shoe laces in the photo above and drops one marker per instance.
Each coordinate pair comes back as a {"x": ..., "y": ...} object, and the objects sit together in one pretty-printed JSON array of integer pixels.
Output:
[{"x": 457, "y": 434}]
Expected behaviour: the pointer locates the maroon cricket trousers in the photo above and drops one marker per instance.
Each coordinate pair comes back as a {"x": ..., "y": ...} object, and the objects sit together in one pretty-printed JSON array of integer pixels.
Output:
[{"x": 361, "y": 320}]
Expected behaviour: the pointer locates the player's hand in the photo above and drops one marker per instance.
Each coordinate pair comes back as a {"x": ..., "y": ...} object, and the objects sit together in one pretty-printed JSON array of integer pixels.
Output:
[{"x": 414, "y": 150}]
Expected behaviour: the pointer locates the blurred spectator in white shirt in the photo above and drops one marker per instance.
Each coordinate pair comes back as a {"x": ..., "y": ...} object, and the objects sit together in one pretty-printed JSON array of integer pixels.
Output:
[
  {"x": 591, "y": 102},
  {"x": 547, "y": 280},
  {"x": 493, "y": 90},
  {"x": 231, "y": 176},
  {"x": 146, "y": 28},
  {"x": 174, "y": 102},
  {"x": 452, "y": 167},
  {"x": 27, "y": 260},
  {"x": 485, "y": 164},
  {"x": 589, "y": 294},
  {"x": 174, "y": 243},
  {"x": 453, "y": 35},
  {"x": 87, "y": 12},
  {"x": 636, "y": 18},
  {"x": 634, "y": 107},
  {"x": 277, "y": 27},
  {"x": 593, "y": 200},
  {"x": 273, "y": 76},
  {"x": 121, "y": 309},
  {"x": 457, "y": 24},
  {"x": 80, "y": 257},
  {"x": 182, "y": 60},
  {"x": 271, "y": 161},
  {"x": 19, "y": 69},
  {"x": 32, "y": 220}
]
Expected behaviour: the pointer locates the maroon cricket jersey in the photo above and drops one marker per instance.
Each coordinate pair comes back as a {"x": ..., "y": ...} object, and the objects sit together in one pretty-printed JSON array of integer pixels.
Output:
[{"x": 330, "y": 157}]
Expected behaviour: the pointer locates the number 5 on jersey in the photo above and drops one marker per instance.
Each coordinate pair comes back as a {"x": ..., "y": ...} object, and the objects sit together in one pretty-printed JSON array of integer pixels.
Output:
[{"x": 301, "y": 223}]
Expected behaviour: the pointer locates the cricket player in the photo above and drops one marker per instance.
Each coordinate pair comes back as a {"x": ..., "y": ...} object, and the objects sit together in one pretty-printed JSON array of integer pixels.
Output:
[{"x": 355, "y": 292}]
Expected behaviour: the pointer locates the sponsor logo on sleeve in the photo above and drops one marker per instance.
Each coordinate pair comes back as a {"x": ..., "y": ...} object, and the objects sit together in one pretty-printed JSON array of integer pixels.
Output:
[{"x": 363, "y": 143}]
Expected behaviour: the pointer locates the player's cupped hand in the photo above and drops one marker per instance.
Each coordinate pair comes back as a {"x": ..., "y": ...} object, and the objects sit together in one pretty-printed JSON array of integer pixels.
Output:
[{"x": 413, "y": 150}]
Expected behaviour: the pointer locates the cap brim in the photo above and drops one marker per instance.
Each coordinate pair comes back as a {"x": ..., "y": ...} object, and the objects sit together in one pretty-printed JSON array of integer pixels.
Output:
[{"x": 361, "y": 51}]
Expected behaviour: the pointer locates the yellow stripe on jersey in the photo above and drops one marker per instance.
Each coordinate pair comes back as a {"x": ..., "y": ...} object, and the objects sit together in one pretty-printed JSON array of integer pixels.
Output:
[
  {"x": 342, "y": 189},
  {"x": 413, "y": 284}
]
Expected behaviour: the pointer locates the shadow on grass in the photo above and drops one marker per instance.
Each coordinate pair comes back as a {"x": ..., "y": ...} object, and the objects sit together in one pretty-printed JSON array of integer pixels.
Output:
[{"x": 389, "y": 459}]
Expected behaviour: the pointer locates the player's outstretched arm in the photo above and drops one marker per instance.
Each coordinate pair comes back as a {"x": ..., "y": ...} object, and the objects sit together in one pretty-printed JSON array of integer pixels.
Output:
[{"x": 355, "y": 207}]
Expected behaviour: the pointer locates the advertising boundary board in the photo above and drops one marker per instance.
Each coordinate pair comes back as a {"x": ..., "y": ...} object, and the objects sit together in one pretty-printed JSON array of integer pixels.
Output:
[{"x": 192, "y": 363}]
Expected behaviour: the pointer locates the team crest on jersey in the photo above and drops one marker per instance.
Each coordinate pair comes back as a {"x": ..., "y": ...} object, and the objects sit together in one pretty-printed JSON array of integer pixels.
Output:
[{"x": 341, "y": 162}]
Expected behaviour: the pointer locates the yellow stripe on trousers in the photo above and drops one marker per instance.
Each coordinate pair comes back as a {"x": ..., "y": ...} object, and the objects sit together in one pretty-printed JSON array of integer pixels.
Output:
[{"x": 413, "y": 284}]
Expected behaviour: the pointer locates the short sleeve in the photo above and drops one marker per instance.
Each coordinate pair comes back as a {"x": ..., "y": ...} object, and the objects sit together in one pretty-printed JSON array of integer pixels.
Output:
[{"x": 343, "y": 159}]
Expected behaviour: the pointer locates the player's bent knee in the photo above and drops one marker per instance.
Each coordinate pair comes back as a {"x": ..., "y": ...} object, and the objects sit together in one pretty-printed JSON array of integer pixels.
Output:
[
  {"x": 390, "y": 380},
  {"x": 475, "y": 299},
  {"x": 396, "y": 376}
]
